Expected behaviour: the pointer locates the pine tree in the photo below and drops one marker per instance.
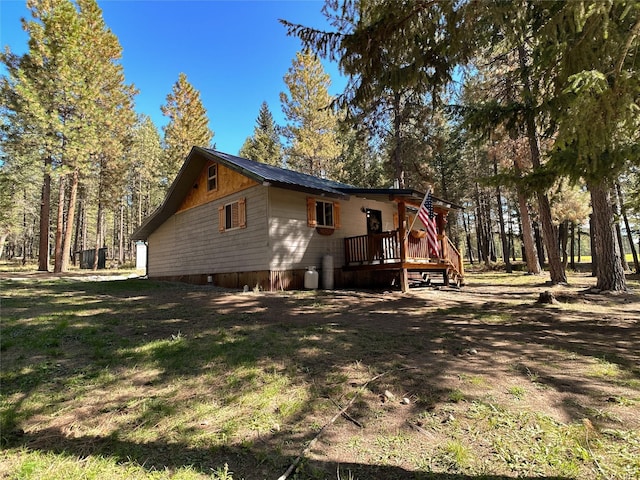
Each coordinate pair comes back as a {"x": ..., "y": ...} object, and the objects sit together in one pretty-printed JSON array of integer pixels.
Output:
[
  {"x": 188, "y": 126},
  {"x": 508, "y": 96},
  {"x": 264, "y": 146},
  {"x": 362, "y": 164},
  {"x": 65, "y": 89},
  {"x": 593, "y": 97},
  {"x": 145, "y": 163},
  {"x": 397, "y": 56},
  {"x": 312, "y": 125}
]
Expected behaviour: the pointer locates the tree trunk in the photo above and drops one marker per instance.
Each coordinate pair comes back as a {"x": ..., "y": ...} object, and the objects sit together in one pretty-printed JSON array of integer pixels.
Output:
[
  {"x": 608, "y": 266},
  {"x": 616, "y": 215},
  {"x": 3, "y": 238},
  {"x": 572, "y": 248},
  {"x": 550, "y": 236},
  {"x": 85, "y": 230},
  {"x": 99, "y": 235},
  {"x": 397, "y": 148},
  {"x": 45, "y": 209},
  {"x": 121, "y": 237},
  {"x": 620, "y": 244},
  {"x": 71, "y": 212},
  {"x": 503, "y": 233},
  {"x": 140, "y": 204},
  {"x": 76, "y": 236},
  {"x": 579, "y": 243},
  {"x": 563, "y": 239},
  {"x": 57, "y": 265},
  {"x": 592, "y": 244},
  {"x": 528, "y": 239},
  {"x": 539, "y": 244},
  {"x": 623, "y": 209},
  {"x": 468, "y": 237}
]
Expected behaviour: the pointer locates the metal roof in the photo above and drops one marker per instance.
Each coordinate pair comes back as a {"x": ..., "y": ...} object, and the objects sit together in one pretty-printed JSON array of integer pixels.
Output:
[{"x": 277, "y": 176}]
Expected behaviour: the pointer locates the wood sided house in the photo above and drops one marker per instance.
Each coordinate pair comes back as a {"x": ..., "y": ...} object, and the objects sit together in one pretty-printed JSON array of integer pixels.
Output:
[{"x": 232, "y": 222}]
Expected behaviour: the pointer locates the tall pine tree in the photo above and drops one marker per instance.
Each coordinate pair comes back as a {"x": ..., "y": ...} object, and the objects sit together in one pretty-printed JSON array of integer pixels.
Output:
[
  {"x": 590, "y": 58},
  {"x": 264, "y": 145},
  {"x": 312, "y": 125},
  {"x": 188, "y": 126}
]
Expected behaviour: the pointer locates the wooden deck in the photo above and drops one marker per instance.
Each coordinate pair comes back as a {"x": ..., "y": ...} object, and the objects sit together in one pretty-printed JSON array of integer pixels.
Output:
[{"x": 383, "y": 252}]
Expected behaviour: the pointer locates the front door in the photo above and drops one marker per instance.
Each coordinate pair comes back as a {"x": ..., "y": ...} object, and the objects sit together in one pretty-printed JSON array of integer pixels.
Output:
[{"x": 374, "y": 221}]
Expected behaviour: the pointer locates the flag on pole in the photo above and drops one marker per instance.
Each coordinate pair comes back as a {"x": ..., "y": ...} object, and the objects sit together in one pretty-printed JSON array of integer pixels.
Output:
[{"x": 426, "y": 215}]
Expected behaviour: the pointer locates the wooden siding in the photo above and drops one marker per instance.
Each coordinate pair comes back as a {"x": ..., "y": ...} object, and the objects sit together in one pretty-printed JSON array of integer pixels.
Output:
[
  {"x": 294, "y": 244},
  {"x": 229, "y": 182},
  {"x": 189, "y": 243}
]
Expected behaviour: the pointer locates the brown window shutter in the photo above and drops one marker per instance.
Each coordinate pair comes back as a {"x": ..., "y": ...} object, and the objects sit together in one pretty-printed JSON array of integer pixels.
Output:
[
  {"x": 396, "y": 222},
  {"x": 235, "y": 221},
  {"x": 311, "y": 212},
  {"x": 336, "y": 215},
  {"x": 221, "y": 218},
  {"x": 242, "y": 213}
]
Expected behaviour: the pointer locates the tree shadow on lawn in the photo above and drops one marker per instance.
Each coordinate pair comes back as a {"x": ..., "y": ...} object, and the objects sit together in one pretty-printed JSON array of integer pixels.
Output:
[
  {"x": 267, "y": 463},
  {"x": 424, "y": 342}
]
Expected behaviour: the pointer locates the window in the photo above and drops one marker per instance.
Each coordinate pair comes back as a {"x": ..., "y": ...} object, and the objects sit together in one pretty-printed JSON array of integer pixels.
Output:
[
  {"x": 323, "y": 214},
  {"x": 232, "y": 216},
  {"x": 212, "y": 177}
]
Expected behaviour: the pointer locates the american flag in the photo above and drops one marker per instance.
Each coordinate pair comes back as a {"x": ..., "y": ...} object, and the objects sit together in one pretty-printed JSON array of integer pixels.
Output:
[{"x": 425, "y": 213}]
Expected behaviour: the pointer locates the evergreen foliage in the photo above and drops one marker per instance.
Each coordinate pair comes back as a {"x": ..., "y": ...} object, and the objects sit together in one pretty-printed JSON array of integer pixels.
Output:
[
  {"x": 264, "y": 146},
  {"x": 188, "y": 126},
  {"x": 144, "y": 155},
  {"x": 68, "y": 102},
  {"x": 312, "y": 125}
]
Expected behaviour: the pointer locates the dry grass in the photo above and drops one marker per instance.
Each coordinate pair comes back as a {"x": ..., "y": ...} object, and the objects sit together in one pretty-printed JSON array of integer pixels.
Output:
[{"x": 136, "y": 379}]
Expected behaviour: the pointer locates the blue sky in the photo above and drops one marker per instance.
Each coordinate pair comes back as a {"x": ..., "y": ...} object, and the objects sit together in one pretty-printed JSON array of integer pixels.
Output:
[{"x": 234, "y": 52}]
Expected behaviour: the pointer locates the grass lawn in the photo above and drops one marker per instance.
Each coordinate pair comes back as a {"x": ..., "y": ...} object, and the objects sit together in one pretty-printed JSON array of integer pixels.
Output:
[{"x": 136, "y": 379}]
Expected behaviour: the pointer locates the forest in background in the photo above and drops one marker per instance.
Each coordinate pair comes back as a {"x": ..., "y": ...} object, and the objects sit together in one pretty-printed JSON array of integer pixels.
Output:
[{"x": 527, "y": 114}]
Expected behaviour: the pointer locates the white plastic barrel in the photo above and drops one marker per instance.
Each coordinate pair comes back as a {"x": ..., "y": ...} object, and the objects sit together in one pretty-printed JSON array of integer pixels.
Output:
[
  {"x": 311, "y": 278},
  {"x": 327, "y": 272}
]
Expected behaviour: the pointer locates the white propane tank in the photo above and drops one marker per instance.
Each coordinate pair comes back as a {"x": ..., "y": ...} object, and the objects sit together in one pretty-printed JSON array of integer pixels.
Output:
[
  {"x": 311, "y": 278},
  {"x": 327, "y": 272}
]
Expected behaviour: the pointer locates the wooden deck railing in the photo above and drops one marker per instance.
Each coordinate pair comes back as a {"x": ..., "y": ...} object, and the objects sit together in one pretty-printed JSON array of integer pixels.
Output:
[
  {"x": 385, "y": 248},
  {"x": 454, "y": 257},
  {"x": 377, "y": 247}
]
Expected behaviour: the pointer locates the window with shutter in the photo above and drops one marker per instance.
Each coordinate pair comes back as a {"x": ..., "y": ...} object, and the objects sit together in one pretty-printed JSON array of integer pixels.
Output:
[
  {"x": 232, "y": 215},
  {"x": 323, "y": 214},
  {"x": 311, "y": 212}
]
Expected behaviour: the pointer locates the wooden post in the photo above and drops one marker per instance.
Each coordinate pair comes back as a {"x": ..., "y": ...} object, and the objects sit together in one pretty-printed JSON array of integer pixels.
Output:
[{"x": 402, "y": 231}]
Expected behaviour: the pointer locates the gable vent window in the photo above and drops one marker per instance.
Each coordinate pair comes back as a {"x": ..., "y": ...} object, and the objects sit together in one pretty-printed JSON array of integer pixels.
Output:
[
  {"x": 212, "y": 177},
  {"x": 232, "y": 216}
]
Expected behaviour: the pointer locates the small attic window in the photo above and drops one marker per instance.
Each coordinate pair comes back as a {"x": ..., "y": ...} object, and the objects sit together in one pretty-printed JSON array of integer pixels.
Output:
[{"x": 212, "y": 177}]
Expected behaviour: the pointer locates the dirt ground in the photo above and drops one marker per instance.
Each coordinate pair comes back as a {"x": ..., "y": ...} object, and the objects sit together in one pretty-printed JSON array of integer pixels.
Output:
[{"x": 417, "y": 361}]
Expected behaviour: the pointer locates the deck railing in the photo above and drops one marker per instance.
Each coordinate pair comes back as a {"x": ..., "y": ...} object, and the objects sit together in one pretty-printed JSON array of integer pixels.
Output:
[
  {"x": 453, "y": 255},
  {"x": 377, "y": 247},
  {"x": 383, "y": 247}
]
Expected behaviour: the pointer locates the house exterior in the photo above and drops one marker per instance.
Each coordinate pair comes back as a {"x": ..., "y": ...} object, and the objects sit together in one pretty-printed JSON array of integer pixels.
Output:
[{"x": 232, "y": 222}]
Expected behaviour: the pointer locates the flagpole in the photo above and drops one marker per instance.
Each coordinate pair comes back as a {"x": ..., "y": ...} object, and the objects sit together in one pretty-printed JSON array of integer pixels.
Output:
[{"x": 415, "y": 216}]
